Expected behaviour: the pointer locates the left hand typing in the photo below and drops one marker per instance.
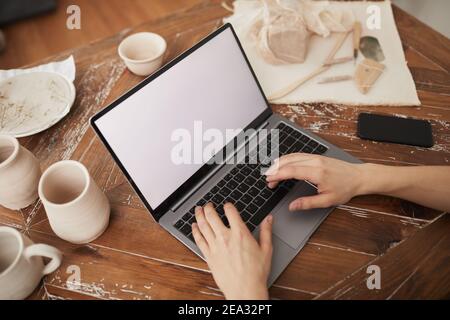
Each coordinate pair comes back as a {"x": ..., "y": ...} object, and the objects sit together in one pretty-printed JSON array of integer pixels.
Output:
[{"x": 239, "y": 264}]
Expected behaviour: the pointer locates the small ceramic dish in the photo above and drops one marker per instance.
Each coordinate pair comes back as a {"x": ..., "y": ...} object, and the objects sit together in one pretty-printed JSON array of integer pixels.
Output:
[
  {"x": 33, "y": 102},
  {"x": 143, "y": 52}
]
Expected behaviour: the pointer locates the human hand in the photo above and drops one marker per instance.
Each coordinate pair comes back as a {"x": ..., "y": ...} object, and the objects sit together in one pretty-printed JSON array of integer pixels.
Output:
[
  {"x": 337, "y": 181},
  {"x": 239, "y": 264}
]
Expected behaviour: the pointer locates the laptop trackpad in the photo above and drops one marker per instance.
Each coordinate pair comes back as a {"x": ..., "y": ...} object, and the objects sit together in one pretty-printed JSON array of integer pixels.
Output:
[{"x": 295, "y": 227}]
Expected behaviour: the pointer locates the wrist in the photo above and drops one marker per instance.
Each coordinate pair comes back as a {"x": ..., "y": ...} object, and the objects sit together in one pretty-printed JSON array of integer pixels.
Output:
[
  {"x": 371, "y": 179},
  {"x": 247, "y": 293},
  {"x": 384, "y": 180}
]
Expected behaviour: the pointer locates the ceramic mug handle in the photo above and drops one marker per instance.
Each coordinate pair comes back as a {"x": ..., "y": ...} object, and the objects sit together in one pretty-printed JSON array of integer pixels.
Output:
[{"x": 43, "y": 250}]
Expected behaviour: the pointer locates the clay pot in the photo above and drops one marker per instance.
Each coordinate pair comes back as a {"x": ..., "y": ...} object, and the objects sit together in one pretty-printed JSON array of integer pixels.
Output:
[
  {"x": 21, "y": 264},
  {"x": 19, "y": 174},
  {"x": 78, "y": 211}
]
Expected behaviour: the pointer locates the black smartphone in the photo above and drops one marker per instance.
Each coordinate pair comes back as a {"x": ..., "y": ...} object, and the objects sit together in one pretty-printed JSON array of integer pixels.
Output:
[{"x": 383, "y": 128}]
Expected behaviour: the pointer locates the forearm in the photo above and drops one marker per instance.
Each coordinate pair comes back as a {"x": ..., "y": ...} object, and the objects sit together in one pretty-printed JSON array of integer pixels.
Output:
[{"x": 428, "y": 186}]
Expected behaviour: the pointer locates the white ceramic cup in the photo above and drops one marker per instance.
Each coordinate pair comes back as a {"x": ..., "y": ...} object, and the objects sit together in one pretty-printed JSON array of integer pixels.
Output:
[
  {"x": 78, "y": 211},
  {"x": 19, "y": 174},
  {"x": 143, "y": 52},
  {"x": 21, "y": 265}
]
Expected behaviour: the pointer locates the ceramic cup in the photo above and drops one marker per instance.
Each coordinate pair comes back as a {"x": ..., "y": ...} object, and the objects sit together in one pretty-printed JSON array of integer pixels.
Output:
[
  {"x": 21, "y": 264},
  {"x": 143, "y": 52},
  {"x": 19, "y": 174},
  {"x": 78, "y": 211}
]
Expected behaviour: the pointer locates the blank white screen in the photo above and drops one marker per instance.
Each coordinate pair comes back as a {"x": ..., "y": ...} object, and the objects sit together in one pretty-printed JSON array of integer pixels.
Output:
[{"x": 213, "y": 85}]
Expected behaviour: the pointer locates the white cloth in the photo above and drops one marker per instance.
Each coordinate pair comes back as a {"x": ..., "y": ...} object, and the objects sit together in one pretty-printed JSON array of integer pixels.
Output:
[
  {"x": 395, "y": 87},
  {"x": 65, "y": 68}
]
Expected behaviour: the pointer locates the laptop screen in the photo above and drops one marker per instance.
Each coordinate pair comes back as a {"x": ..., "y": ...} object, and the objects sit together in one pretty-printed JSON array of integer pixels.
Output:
[{"x": 159, "y": 133}]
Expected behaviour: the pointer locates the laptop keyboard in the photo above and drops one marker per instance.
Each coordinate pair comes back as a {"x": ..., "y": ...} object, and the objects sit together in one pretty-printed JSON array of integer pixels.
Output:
[{"x": 245, "y": 186}]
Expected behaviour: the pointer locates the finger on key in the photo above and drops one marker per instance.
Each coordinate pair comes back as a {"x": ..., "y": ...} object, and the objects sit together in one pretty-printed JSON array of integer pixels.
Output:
[
  {"x": 204, "y": 226},
  {"x": 213, "y": 219}
]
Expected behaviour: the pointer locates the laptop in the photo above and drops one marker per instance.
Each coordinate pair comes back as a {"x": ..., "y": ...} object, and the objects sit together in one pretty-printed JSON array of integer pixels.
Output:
[{"x": 173, "y": 136}]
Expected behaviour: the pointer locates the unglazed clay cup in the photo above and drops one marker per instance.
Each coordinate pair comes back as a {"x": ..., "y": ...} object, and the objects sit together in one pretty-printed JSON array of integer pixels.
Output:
[
  {"x": 21, "y": 264},
  {"x": 143, "y": 52},
  {"x": 19, "y": 174},
  {"x": 78, "y": 211}
]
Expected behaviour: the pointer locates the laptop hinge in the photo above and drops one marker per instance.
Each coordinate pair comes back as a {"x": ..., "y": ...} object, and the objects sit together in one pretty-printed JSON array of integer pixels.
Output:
[{"x": 179, "y": 203}]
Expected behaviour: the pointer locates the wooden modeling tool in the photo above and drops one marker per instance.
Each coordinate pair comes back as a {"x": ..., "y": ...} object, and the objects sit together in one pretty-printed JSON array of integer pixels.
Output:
[
  {"x": 288, "y": 89},
  {"x": 338, "y": 61},
  {"x": 367, "y": 73},
  {"x": 335, "y": 79},
  {"x": 324, "y": 67},
  {"x": 357, "y": 30},
  {"x": 339, "y": 42}
]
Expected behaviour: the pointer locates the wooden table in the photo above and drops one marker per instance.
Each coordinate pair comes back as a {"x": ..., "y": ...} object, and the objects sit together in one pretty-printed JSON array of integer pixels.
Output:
[{"x": 137, "y": 259}]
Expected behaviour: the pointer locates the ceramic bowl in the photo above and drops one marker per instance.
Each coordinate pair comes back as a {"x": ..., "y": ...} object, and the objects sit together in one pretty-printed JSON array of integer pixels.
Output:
[{"x": 143, "y": 52}]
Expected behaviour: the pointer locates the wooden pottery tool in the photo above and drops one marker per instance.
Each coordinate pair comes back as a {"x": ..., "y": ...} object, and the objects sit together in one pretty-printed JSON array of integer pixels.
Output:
[
  {"x": 324, "y": 67},
  {"x": 367, "y": 73},
  {"x": 371, "y": 49},
  {"x": 338, "y": 61},
  {"x": 335, "y": 79},
  {"x": 357, "y": 30},
  {"x": 286, "y": 90},
  {"x": 340, "y": 41}
]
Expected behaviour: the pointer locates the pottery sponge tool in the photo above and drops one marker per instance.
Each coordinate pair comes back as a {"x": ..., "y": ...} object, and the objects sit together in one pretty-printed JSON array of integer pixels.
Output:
[{"x": 371, "y": 48}]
